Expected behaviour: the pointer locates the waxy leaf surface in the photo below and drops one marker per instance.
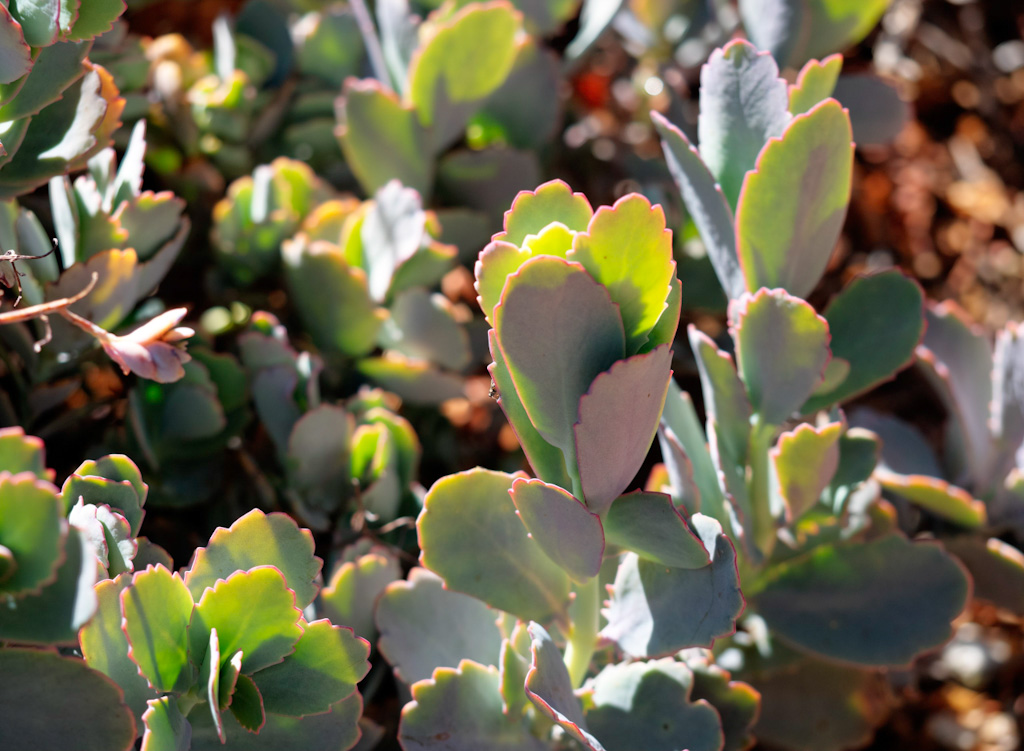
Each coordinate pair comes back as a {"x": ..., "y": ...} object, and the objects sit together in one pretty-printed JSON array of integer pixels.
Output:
[
  {"x": 46, "y": 699},
  {"x": 350, "y": 597},
  {"x": 565, "y": 529},
  {"x": 875, "y": 324},
  {"x": 424, "y": 626},
  {"x": 22, "y": 453},
  {"x": 460, "y": 710},
  {"x": 258, "y": 539},
  {"x": 736, "y": 703},
  {"x": 816, "y": 82},
  {"x": 997, "y": 570},
  {"x": 805, "y": 461},
  {"x": 618, "y": 418},
  {"x": 937, "y": 496},
  {"x": 877, "y": 603},
  {"x": 743, "y": 103},
  {"x": 557, "y": 329},
  {"x": 533, "y": 210},
  {"x": 725, "y": 396},
  {"x": 549, "y": 687},
  {"x": 792, "y": 206},
  {"x": 649, "y": 525},
  {"x": 33, "y": 529},
  {"x": 655, "y": 609},
  {"x": 157, "y": 609},
  {"x": 166, "y": 727},
  {"x": 470, "y": 535},
  {"x": 782, "y": 349},
  {"x": 648, "y": 705},
  {"x": 327, "y": 664}
]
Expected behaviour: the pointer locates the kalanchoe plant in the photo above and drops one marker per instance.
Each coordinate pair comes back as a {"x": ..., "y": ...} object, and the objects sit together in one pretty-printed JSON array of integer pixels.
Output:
[{"x": 57, "y": 109}]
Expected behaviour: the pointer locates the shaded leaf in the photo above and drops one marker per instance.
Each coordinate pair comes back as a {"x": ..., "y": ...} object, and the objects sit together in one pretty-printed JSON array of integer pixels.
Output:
[
  {"x": 936, "y": 496},
  {"x": 33, "y": 530},
  {"x": 996, "y": 568},
  {"x": 424, "y": 626},
  {"x": 470, "y": 535},
  {"x": 649, "y": 525},
  {"x": 247, "y": 705},
  {"x": 157, "y": 609},
  {"x": 166, "y": 727},
  {"x": 350, "y": 598}
]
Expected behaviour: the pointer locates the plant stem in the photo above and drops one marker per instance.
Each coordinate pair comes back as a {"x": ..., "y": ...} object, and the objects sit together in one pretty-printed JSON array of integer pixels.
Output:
[{"x": 585, "y": 615}]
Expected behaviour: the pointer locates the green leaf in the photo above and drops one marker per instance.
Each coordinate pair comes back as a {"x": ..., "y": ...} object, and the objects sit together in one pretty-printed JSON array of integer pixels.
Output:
[
  {"x": 743, "y": 103},
  {"x": 96, "y": 17},
  {"x": 805, "y": 462},
  {"x": 878, "y": 603},
  {"x": 875, "y": 324},
  {"x": 649, "y": 525},
  {"x": 382, "y": 140},
  {"x": 334, "y": 730},
  {"x": 109, "y": 536},
  {"x": 105, "y": 647},
  {"x": 936, "y": 496},
  {"x": 99, "y": 491},
  {"x": 166, "y": 727},
  {"x": 23, "y": 453},
  {"x": 157, "y": 609},
  {"x": 319, "y": 456},
  {"x": 46, "y": 699},
  {"x": 55, "y": 68},
  {"x": 705, "y": 202},
  {"x": 782, "y": 349},
  {"x": 468, "y": 56},
  {"x": 533, "y": 210},
  {"x": 725, "y": 396},
  {"x": 422, "y": 325},
  {"x": 816, "y": 82},
  {"x": 547, "y": 461},
  {"x": 461, "y": 710},
  {"x": 648, "y": 705},
  {"x": 996, "y": 568},
  {"x": 820, "y": 706},
  {"x": 258, "y": 539},
  {"x": 553, "y": 366},
  {"x": 514, "y": 668},
  {"x": 497, "y": 261},
  {"x": 33, "y": 530},
  {"x": 119, "y": 468},
  {"x": 254, "y": 613},
  {"x": 792, "y": 206},
  {"x": 392, "y": 230},
  {"x": 209, "y": 680},
  {"x": 39, "y": 20},
  {"x": 549, "y": 687},
  {"x": 415, "y": 381},
  {"x": 470, "y": 535},
  {"x": 331, "y": 296},
  {"x": 325, "y": 667},
  {"x": 16, "y": 55},
  {"x": 655, "y": 610},
  {"x": 736, "y": 703},
  {"x": 628, "y": 250},
  {"x": 424, "y": 626},
  {"x": 55, "y": 615},
  {"x": 247, "y": 705},
  {"x": 566, "y": 531}
]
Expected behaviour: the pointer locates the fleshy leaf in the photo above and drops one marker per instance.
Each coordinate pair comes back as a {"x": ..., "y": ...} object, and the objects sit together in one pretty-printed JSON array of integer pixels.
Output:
[
  {"x": 327, "y": 664},
  {"x": 937, "y": 496},
  {"x": 209, "y": 681},
  {"x": 469, "y": 55},
  {"x": 792, "y": 206},
  {"x": 705, "y": 203},
  {"x": 166, "y": 727},
  {"x": 46, "y": 699},
  {"x": 336, "y": 729},
  {"x": 649, "y": 705},
  {"x": 533, "y": 210},
  {"x": 349, "y": 599},
  {"x": 470, "y": 535},
  {"x": 877, "y": 603},
  {"x": 247, "y": 705},
  {"x": 566, "y": 531},
  {"x": 23, "y": 453},
  {"x": 628, "y": 250},
  {"x": 875, "y": 324},
  {"x": 496, "y": 261},
  {"x": 55, "y": 615},
  {"x": 422, "y": 325},
  {"x": 33, "y": 529},
  {"x": 318, "y": 456},
  {"x": 16, "y": 56},
  {"x": 514, "y": 667},
  {"x": 382, "y": 140},
  {"x": 1007, "y": 419},
  {"x": 655, "y": 610},
  {"x": 997, "y": 570},
  {"x": 547, "y": 461},
  {"x": 618, "y": 419},
  {"x": 157, "y": 609},
  {"x": 105, "y": 646},
  {"x": 782, "y": 349},
  {"x": 743, "y": 103},
  {"x": 415, "y": 381},
  {"x": 649, "y": 525},
  {"x": 736, "y": 702},
  {"x": 254, "y": 612},
  {"x": 725, "y": 396},
  {"x": 460, "y": 710},
  {"x": 391, "y": 233},
  {"x": 424, "y": 626},
  {"x": 805, "y": 461},
  {"x": 557, "y": 329},
  {"x": 549, "y": 687},
  {"x": 258, "y": 539},
  {"x": 99, "y": 491},
  {"x": 816, "y": 82}
]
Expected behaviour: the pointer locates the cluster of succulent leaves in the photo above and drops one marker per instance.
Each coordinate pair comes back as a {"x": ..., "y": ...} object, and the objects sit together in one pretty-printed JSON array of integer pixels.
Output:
[{"x": 760, "y": 583}]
